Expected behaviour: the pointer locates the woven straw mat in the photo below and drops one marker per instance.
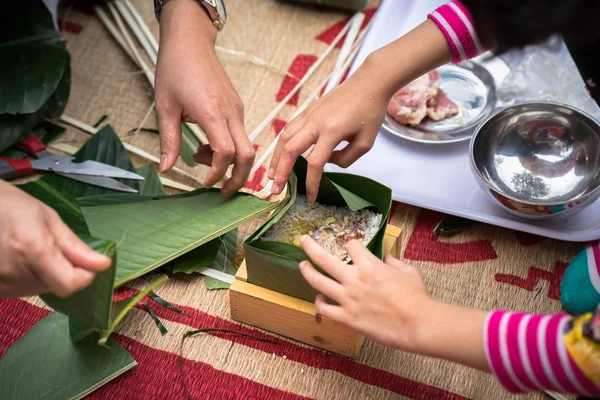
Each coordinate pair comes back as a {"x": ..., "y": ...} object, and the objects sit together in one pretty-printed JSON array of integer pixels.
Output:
[{"x": 484, "y": 267}]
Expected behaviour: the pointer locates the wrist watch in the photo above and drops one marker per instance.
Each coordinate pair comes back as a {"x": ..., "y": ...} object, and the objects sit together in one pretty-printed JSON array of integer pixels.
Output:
[{"x": 215, "y": 8}]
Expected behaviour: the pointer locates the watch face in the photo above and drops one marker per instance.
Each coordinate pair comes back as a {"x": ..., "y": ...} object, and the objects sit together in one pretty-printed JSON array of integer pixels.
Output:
[{"x": 221, "y": 9}]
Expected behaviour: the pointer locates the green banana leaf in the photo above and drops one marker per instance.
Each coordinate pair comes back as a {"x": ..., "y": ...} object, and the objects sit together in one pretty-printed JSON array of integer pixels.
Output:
[
  {"x": 151, "y": 233},
  {"x": 15, "y": 126},
  {"x": 197, "y": 259},
  {"x": 122, "y": 307},
  {"x": 33, "y": 57},
  {"x": 46, "y": 364},
  {"x": 151, "y": 185},
  {"x": 60, "y": 199},
  {"x": 189, "y": 146},
  {"x": 47, "y": 132},
  {"x": 224, "y": 261},
  {"x": 106, "y": 147},
  {"x": 351, "y": 5},
  {"x": 35, "y": 70},
  {"x": 150, "y": 230},
  {"x": 89, "y": 305},
  {"x": 274, "y": 265}
]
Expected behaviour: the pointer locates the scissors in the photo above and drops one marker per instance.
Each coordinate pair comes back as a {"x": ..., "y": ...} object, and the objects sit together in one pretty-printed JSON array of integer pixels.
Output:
[{"x": 90, "y": 172}]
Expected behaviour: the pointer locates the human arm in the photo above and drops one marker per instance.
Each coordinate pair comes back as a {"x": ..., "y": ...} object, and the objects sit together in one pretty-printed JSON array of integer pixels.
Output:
[
  {"x": 355, "y": 110},
  {"x": 388, "y": 302},
  {"x": 39, "y": 252},
  {"x": 192, "y": 86}
]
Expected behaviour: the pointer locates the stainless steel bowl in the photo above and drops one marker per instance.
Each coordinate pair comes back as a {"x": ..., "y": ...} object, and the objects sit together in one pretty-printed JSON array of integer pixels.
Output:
[{"x": 538, "y": 160}]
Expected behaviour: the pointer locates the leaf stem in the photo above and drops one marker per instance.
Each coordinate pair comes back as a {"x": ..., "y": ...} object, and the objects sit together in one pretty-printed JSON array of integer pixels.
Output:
[{"x": 37, "y": 38}]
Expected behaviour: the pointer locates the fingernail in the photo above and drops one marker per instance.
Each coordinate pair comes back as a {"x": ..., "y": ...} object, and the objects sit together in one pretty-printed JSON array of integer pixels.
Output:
[
  {"x": 275, "y": 189},
  {"x": 302, "y": 239},
  {"x": 302, "y": 264},
  {"x": 98, "y": 257},
  {"x": 271, "y": 174},
  {"x": 164, "y": 159}
]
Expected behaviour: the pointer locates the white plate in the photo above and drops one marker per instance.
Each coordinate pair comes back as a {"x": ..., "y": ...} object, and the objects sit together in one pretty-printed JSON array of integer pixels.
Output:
[{"x": 439, "y": 177}]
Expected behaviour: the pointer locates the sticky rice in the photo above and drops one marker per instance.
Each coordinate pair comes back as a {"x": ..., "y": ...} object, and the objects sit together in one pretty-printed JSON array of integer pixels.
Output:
[{"x": 330, "y": 226}]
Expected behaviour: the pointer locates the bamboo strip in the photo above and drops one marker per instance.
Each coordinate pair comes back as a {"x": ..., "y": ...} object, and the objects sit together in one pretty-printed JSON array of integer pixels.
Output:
[
  {"x": 138, "y": 58},
  {"x": 113, "y": 30},
  {"x": 139, "y": 28},
  {"x": 71, "y": 150},
  {"x": 347, "y": 47},
  {"x": 304, "y": 79},
  {"x": 132, "y": 149},
  {"x": 267, "y": 153},
  {"x": 213, "y": 273}
]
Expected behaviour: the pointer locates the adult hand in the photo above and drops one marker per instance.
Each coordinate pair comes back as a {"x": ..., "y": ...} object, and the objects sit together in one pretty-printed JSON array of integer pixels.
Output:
[
  {"x": 39, "y": 253},
  {"x": 353, "y": 112},
  {"x": 192, "y": 86}
]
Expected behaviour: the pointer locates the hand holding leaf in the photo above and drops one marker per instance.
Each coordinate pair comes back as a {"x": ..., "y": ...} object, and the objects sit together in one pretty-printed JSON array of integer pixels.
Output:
[{"x": 40, "y": 254}]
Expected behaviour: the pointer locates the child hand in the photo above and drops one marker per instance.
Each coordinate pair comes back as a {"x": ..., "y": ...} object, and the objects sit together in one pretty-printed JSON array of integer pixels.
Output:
[
  {"x": 387, "y": 301},
  {"x": 384, "y": 301},
  {"x": 353, "y": 112}
]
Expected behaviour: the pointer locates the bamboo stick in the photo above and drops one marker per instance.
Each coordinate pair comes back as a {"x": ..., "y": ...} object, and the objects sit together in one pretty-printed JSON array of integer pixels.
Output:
[
  {"x": 138, "y": 26},
  {"x": 305, "y": 78},
  {"x": 314, "y": 95},
  {"x": 71, "y": 150},
  {"x": 347, "y": 47},
  {"x": 132, "y": 149}
]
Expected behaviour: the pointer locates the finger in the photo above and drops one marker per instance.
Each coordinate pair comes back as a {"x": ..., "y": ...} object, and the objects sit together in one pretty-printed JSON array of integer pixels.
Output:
[
  {"x": 204, "y": 155},
  {"x": 75, "y": 250},
  {"x": 294, "y": 148},
  {"x": 321, "y": 283},
  {"x": 244, "y": 158},
  {"x": 359, "y": 253},
  {"x": 323, "y": 259},
  {"x": 394, "y": 262},
  {"x": 58, "y": 274},
  {"x": 329, "y": 311},
  {"x": 349, "y": 154},
  {"x": 169, "y": 128},
  {"x": 288, "y": 132},
  {"x": 316, "y": 163},
  {"x": 223, "y": 149}
]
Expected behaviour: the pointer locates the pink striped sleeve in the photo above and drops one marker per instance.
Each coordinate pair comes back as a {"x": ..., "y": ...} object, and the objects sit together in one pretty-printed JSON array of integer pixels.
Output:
[
  {"x": 528, "y": 353},
  {"x": 456, "y": 22}
]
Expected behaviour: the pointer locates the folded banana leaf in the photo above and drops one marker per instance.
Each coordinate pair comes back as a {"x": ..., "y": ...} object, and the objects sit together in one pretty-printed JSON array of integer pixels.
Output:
[
  {"x": 150, "y": 229},
  {"x": 352, "y": 5},
  {"x": 46, "y": 364},
  {"x": 274, "y": 265}
]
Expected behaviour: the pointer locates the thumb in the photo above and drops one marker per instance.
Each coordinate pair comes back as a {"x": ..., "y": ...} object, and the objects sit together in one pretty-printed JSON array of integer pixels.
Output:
[
  {"x": 73, "y": 248},
  {"x": 169, "y": 128}
]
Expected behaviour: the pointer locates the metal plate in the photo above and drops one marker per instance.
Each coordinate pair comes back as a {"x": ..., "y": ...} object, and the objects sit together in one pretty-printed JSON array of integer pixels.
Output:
[{"x": 473, "y": 88}]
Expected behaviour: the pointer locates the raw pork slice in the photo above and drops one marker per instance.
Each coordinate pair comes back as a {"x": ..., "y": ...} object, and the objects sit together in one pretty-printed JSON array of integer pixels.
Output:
[
  {"x": 409, "y": 105},
  {"x": 441, "y": 107}
]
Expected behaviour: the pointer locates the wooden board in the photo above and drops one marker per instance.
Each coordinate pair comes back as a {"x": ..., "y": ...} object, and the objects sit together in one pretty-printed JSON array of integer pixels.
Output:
[{"x": 295, "y": 318}]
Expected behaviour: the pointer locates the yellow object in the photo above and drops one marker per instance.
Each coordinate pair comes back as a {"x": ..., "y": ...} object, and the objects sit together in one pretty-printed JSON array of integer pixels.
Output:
[
  {"x": 329, "y": 221},
  {"x": 584, "y": 351},
  {"x": 297, "y": 240}
]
